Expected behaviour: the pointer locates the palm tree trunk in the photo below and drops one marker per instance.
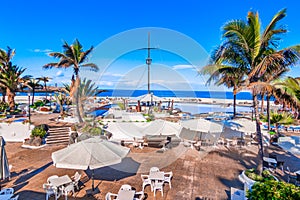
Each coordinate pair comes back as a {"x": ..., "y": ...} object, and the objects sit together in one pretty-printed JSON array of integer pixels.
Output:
[
  {"x": 81, "y": 109},
  {"x": 33, "y": 92},
  {"x": 258, "y": 133},
  {"x": 11, "y": 99},
  {"x": 76, "y": 95},
  {"x": 3, "y": 96},
  {"x": 262, "y": 104},
  {"x": 234, "y": 105},
  {"x": 268, "y": 112},
  {"x": 45, "y": 86}
]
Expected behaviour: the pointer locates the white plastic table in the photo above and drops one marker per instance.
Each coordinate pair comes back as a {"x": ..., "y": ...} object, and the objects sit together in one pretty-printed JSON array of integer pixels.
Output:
[
  {"x": 126, "y": 195},
  {"x": 157, "y": 176},
  {"x": 62, "y": 180}
]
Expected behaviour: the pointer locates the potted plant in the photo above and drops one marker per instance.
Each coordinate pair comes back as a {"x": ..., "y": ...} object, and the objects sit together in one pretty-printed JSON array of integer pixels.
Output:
[
  {"x": 37, "y": 136},
  {"x": 250, "y": 177},
  {"x": 274, "y": 190}
]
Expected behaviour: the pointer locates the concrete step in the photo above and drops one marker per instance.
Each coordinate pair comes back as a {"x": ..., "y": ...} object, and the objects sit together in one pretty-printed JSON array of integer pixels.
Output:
[
  {"x": 58, "y": 136},
  {"x": 58, "y": 142},
  {"x": 58, "y": 129},
  {"x": 53, "y": 137}
]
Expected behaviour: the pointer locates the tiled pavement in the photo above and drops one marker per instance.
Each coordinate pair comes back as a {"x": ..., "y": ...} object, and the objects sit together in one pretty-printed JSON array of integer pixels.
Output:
[{"x": 196, "y": 176}]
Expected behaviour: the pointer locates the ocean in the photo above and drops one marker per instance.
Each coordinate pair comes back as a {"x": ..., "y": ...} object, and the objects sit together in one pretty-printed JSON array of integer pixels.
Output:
[
  {"x": 166, "y": 93},
  {"x": 169, "y": 93}
]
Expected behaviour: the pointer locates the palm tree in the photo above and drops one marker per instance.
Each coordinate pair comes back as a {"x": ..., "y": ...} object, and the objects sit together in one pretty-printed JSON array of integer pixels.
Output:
[
  {"x": 256, "y": 51},
  {"x": 45, "y": 79},
  {"x": 61, "y": 99},
  {"x": 86, "y": 89},
  {"x": 5, "y": 58},
  {"x": 73, "y": 56},
  {"x": 33, "y": 84},
  {"x": 11, "y": 79},
  {"x": 288, "y": 92},
  {"x": 280, "y": 118},
  {"x": 224, "y": 74},
  {"x": 268, "y": 88}
]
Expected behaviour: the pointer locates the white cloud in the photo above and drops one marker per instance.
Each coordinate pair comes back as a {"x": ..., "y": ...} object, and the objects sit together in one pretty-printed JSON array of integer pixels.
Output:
[
  {"x": 177, "y": 67},
  {"x": 41, "y": 50},
  {"x": 112, "y": 74},
  {"x": 106, "y": 83},
  {"x": 59, "y": 74}
]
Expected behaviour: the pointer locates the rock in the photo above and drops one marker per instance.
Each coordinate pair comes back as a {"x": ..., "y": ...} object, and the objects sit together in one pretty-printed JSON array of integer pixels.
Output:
[
  {"x": 73, "y": 137},
  {"x": 37, "y": 141}
]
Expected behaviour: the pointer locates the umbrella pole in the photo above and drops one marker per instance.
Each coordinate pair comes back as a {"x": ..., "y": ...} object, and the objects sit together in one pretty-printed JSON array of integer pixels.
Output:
[{"x": 93, "y": 188}]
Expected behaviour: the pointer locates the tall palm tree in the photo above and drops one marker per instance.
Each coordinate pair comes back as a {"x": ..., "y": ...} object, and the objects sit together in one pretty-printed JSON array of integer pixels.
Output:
[
  {"x": 73, "y": 56},
  {"x": 11, "y": 79},
  {"x": 5, "y": 58},
  {"x": 45, "y": 79},
  {"x": 256, "y": 51}
]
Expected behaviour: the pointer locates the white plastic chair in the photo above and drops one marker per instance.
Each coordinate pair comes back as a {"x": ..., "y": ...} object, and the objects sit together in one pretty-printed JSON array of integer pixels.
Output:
[
  {"x": 110, "y": 196},
  {"x": 76, "y": 179},
  {"x": 67, "y": 189},
  {"x": 14, "y": 198},
  {"x": 6, "y": 193},
  {"x": 139, "y": 195},
  {"x": 51, "y": 177},
  {"x": 290, "y": 176},
  {"x": 159, "y": 185},
  {"x": 146, "y": 181},
  {"x": 50, "y": 190},
  {"x": 154, "y": 169},
  {"x": 126, "y": 187},
  {"x": 167, "y": 178}
]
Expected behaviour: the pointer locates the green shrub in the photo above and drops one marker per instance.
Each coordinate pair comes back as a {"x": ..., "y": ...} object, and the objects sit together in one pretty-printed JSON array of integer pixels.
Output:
[
  {"x": 3, "y": 106},
  {"x": 265, "y": 176},
  {"x": 272, "y": 132},
  {"x": 38, "y": 132},
  {"x": 37, "y": 104},
  {"x": 274, "y": 190}
]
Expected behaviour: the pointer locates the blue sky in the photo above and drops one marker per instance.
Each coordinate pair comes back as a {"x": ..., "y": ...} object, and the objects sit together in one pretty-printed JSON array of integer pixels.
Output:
[{"x": 118, "y": 28}]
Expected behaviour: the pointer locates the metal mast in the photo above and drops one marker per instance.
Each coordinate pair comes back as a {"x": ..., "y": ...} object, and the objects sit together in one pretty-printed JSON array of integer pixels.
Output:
[{"x": 148, "y": 62}]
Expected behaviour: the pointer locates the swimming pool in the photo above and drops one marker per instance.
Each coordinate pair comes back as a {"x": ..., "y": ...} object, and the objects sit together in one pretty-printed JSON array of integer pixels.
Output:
[
  {"x": 207, "y": 108},
  {"x": 20, "y": 120}
]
